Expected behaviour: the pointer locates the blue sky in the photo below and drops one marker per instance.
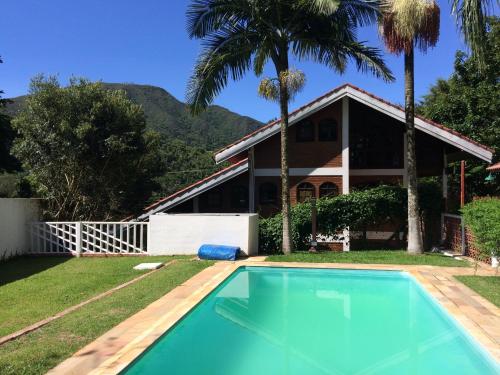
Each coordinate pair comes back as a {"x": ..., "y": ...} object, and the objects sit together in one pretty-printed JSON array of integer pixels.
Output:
[{"x": 146, "y": 42}]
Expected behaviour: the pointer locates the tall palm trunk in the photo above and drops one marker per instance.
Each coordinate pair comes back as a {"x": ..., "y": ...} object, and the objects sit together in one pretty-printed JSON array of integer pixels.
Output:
[
  {"x": 285, "y": 181},
  {"x": 415, "y": 245}
]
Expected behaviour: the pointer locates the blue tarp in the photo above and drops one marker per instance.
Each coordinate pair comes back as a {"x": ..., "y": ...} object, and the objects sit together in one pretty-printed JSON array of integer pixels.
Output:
[{"x": 218, "y": 252}]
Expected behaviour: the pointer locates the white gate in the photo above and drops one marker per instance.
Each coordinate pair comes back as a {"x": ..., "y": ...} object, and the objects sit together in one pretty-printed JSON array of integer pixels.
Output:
[{"x": 88, "y": 237}]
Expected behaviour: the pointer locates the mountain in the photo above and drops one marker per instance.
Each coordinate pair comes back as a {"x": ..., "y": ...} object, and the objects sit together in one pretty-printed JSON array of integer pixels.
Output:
[{"x": 213, "y": 129}]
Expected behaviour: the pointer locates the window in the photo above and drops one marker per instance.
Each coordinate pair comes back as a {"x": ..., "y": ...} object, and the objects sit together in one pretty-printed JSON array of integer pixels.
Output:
[
  {"x": 327, "y": 130},
  {"x": 305, "y": 191},
  {"x": 268, "y": 193},
  {"x": 239, "y": 197},
  {"x": 214, "y": 199},
  {"x": 328, "y": 189},
  {"x": 305, "y": 131}
]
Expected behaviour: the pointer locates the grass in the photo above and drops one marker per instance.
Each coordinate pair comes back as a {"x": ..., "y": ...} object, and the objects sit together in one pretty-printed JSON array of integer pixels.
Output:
[
  {"x": 39, "y": 351},
  {"x": 34, "y": 288},
  {"x": 370, "y": 256},
  {"x": 486, "y": 286}
]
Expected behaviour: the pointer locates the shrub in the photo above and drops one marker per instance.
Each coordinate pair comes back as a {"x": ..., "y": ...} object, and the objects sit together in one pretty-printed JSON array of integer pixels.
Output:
[
  {"x": 357, "y": 210},
  {"x": 482, "y": 217}
]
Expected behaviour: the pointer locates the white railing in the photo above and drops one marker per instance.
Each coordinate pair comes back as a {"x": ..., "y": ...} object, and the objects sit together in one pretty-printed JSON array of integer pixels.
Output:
[{"x": 88, "y": 237}]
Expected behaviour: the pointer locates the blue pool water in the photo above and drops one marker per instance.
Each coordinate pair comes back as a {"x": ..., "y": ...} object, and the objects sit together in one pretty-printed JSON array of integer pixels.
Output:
[{"x": 281, "y": 321}]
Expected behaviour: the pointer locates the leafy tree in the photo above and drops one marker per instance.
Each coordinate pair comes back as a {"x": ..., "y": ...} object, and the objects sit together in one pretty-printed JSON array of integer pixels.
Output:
[
  {"x": 242, "y": 34},
  {"x": 472, "y": 16},
  {"x": 468, "y": 102},
  {"x": 404, "y": 25},
  {"x": 184, "y": 165},
  {"x": 85, "y": 149}
]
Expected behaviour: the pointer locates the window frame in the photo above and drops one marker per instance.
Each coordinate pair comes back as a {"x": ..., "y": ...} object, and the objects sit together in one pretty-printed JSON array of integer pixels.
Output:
[
  {"x": 335, "y": 188},
  {"x": 301, "y": 125},
  {"x": 301, "y": 187},
  {"x": 235, "y": 197},
  {"x": 332, "y": 122},
  {"x": 275, "y": 193}
]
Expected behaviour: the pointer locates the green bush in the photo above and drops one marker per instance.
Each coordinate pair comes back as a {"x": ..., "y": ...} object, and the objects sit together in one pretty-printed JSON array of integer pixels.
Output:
[
  {"x": 357, "y": 210},
  {"x": 482, "y": 217}
]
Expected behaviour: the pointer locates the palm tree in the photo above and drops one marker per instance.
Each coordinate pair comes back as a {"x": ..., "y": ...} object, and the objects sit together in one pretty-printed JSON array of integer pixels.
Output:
[
  {"x": 239, "y": 35},
  {"x": 472, "y": 16},
  {"x": 404, "y": 25}
]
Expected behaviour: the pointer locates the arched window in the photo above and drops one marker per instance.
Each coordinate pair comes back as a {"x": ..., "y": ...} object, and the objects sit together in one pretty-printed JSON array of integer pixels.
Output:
[
  {"x": 239, "y": 196},
  {"x": 327, "y": 130},
  {"x": 268, "y": 193},
  {"x": 305, "y": 191},
  {"x": 328, "y": 189},
  {"x": 305, "y": 131}
]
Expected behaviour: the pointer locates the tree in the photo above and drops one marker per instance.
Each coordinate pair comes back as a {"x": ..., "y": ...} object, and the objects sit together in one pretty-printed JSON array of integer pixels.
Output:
[
  {"x": 85, "y": 149},
  {"x": 472, "y": 16},
  {"x": 184, "y": 165},
  {"x": 239, "y": 35},
  {"x": 404, "y": 25},
  {"x": 468, "y": 102}
]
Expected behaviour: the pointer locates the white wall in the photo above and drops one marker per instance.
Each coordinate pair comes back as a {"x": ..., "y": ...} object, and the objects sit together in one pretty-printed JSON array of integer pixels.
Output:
[
  {"x": 15, "y": 216},
  {"x": 185, "y": 233}
]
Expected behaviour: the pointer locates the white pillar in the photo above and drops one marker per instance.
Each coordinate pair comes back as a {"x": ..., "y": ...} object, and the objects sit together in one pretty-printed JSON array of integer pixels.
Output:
[
  {"x": 345, "y": 162},
  {"x": 251, "y": 181}
]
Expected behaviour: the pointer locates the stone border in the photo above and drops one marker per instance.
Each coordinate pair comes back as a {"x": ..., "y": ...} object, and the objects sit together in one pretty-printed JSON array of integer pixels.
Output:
[{"x": 117, "y": 348}]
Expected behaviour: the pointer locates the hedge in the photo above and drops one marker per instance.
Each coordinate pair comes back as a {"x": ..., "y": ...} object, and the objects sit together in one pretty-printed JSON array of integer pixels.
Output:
[
  {"x": 357, "y": 210},
  {"x": 482, "y": 217}
]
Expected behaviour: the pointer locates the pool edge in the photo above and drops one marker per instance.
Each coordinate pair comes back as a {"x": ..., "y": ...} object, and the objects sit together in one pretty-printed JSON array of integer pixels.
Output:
[{"x": 181, "y": 300}]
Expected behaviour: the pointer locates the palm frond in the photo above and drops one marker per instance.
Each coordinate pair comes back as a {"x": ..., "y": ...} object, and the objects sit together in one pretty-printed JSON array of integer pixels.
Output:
[
  {"x": 331, "y": 41},
  {"x": 471, "y": 17},
  {"x": 207, "y": 16},
  {"x": 369, "y": 59},
  {"x": 226, "y": 54},
  {"x": 405, "y": 23}
]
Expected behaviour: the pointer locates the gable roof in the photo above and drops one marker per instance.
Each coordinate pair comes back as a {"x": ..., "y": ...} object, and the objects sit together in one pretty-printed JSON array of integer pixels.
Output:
[
  {"x": 432, "y": 128},
  {"x": 195, "y": 189}
]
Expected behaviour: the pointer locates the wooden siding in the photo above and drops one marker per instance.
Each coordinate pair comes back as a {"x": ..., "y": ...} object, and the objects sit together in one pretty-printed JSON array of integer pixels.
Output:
[{"x": 305, "y": 154}]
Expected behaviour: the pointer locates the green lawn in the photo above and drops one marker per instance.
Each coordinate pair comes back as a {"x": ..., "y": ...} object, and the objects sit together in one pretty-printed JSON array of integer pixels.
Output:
[
  {"x": 39, "y": 351},
  {"x": 487, "y": 286},
  {"x": 34, "y": 288},
  {"x": 370, "y": 256}
]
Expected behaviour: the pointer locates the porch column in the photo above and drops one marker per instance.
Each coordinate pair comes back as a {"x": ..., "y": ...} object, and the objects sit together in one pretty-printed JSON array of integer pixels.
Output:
[
  {"x": 196, "y": 204},
  {"x": 251, "y": 181},
  {"x": 444, "y": 179},
  {"x": 345, "y": 161}
]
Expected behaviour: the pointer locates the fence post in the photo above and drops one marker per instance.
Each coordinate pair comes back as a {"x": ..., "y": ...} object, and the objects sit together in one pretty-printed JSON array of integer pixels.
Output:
[{"x": 78, "y": 245}]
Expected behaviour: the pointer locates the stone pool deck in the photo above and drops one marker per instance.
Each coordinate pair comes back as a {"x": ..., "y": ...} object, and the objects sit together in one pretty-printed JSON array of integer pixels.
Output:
[{"x": 117, "y": 348}]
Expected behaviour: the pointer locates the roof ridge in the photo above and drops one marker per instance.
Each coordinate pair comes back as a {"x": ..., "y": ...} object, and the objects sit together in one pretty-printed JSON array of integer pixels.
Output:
[{"x": 350, "y": 85}]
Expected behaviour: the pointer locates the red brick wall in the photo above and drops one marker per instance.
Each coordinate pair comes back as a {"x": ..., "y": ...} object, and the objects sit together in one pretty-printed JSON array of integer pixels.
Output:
[
  {"x": 304, "y": 154},
  {"x": 453, "y": 239}
]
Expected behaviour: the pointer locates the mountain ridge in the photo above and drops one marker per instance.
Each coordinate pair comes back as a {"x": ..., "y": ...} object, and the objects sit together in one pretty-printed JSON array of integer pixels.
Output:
[{"x": 211, "y": 130}]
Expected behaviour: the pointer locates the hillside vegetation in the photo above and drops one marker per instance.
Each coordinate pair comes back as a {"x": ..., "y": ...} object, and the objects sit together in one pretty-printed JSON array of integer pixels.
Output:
[{"x": 211, "y": 130}]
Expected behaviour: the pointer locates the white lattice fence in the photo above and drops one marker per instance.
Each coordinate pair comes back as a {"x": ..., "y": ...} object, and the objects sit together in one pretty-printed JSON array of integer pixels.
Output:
[{"x": 89, "y": 237}]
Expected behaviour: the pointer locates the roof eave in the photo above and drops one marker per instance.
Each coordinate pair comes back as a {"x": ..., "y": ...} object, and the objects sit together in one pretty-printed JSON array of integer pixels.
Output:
[
  {"x": 196, "y": 190},
  {"x": 367, "y": 99}
]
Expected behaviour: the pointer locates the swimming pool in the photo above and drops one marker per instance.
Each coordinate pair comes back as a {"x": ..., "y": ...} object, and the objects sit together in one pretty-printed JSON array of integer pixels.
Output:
[{"x": 264, "y": 320}]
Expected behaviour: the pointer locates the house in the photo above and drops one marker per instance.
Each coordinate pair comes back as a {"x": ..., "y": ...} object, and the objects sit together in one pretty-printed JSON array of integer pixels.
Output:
[{"x": 346, "y": 139}]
